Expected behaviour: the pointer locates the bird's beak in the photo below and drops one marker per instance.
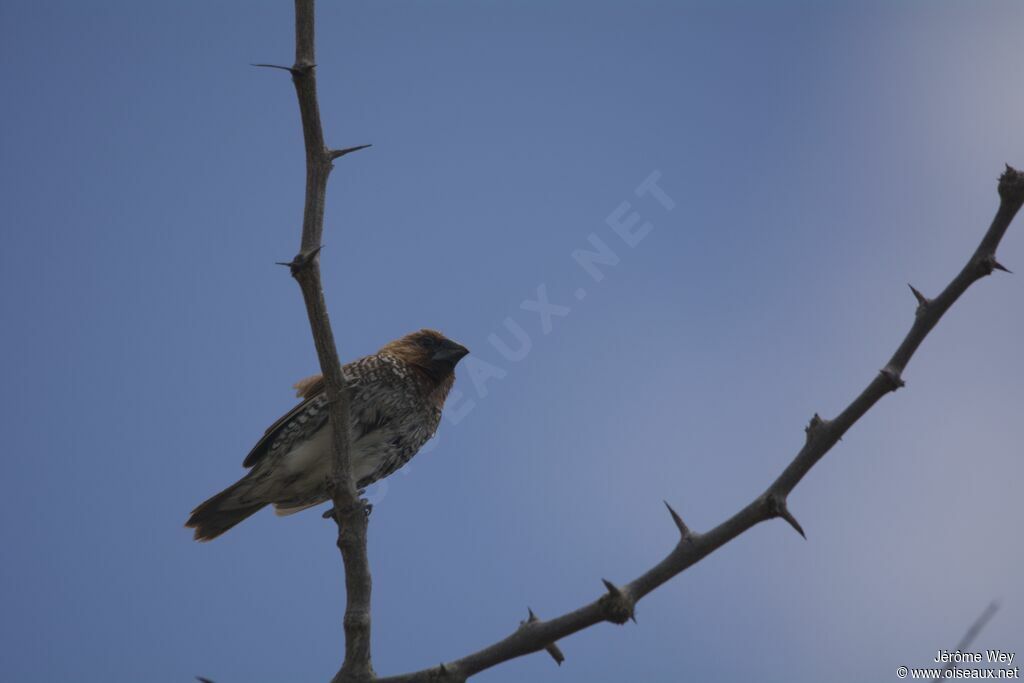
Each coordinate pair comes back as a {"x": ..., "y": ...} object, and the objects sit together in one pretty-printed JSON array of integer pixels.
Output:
[{"x": 452, "y": 354}]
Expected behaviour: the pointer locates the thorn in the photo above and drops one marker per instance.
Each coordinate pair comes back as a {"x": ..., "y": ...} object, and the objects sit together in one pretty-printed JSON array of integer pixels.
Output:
[
  {"x": 894, "y": 378},
  {"x": 556, "y": 654},
  {"x": 313, "y": 253},
  {"x": 338, "y": 153},
  {"x": 301, "y": 261},
  {"x": 613, "y": 590},
  {"x": 552, "y": 648},
  {"x": 684, "y": 531},
  {"x": 289, "y": 69},
  {"x": 988, "y": 263},
  {"x": 620, "y": 606},
  {"x": 787, "y": 515},
  {"x": 777, "y": 508},
  {"x": 922, "y": 300}
]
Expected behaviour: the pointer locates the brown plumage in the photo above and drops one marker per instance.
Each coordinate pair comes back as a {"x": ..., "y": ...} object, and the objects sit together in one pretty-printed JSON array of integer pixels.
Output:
[{"x": 396, "y": 396}]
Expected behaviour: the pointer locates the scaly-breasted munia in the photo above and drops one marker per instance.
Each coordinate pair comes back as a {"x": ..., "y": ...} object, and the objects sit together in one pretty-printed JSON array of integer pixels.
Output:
[{"x": 395, "y": 401}]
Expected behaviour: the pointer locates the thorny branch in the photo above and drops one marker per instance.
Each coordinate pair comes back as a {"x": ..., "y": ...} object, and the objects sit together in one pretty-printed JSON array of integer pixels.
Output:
[
  {"x": 618, "y": 603},
  {"x": 349, "y": 512}
]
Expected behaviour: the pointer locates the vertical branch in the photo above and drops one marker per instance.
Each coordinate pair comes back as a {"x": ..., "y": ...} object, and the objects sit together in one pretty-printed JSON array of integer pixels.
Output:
[
  {"x": 318, "y": 163},
  {"x": 349, "y": 512}
]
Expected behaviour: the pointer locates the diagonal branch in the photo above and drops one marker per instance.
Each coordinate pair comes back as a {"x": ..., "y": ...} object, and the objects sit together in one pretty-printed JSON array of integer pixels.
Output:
[
  {"x": 972, "y": 633},
  {"x": 617, "y": 605},
  {"x": 305, "y": 268}
]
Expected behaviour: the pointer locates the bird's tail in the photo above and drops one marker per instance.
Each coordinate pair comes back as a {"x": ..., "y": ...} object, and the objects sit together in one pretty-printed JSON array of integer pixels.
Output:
[{"x": 223, "y": 511}]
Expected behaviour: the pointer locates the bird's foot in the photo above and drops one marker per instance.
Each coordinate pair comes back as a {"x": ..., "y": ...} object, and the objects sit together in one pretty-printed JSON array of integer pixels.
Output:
[{"x": 366, "y": 505}]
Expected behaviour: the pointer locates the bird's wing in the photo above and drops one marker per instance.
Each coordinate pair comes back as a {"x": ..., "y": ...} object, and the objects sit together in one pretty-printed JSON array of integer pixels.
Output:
[
  {"x": 310, "y": 390},
  {"x": 365, "y": 414},
  {"x": 373, "y": 383}
]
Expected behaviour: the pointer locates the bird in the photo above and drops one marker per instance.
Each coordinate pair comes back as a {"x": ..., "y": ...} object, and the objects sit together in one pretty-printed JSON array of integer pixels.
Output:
[{"x": 395, "y": 401}]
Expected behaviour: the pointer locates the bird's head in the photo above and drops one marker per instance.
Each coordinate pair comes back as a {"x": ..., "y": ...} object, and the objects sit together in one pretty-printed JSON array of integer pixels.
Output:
[{"x": 429, "y": 351}]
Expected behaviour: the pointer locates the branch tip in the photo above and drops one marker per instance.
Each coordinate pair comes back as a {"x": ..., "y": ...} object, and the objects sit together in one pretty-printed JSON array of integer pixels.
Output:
[
  {"x": 684, "y": 530},
  {"x": 1011, "y": 185}
]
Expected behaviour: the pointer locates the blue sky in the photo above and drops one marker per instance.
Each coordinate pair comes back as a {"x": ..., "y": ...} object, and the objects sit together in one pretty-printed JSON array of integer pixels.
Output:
[{"x": 818, "y": 157}]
